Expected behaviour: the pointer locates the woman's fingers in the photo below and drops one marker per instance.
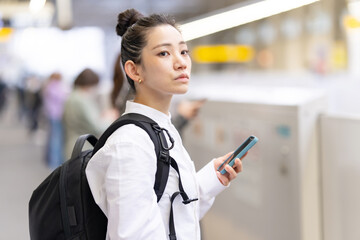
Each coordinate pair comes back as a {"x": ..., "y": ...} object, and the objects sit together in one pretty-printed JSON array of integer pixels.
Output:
[
  {"x": 231, "y": 171},
  {"x": 222, "y": 178},
  {"x": 237, "y": 165},
  {"x": 220, "y": 160}
]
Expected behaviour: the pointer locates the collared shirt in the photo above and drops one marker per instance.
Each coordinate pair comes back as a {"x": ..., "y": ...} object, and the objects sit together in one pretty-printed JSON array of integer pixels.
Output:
[{"x": 121, "y": 176}]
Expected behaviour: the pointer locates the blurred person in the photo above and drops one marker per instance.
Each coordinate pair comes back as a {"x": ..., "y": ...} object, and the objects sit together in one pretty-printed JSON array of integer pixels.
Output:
[
  {"x": 3, "y": 95},
  {"x": 20, "y": 96},
  {"x": 121, "y": 174},
  {"x": 185, "y": 110},
  {"x": 54, "y": 95},
  {"x": 82, "y": 115},
  {"x": 33, "y": 101}
]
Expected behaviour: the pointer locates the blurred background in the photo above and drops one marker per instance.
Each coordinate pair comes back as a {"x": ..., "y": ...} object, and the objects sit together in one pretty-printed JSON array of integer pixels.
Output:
[{"x": 286, "y": 71}]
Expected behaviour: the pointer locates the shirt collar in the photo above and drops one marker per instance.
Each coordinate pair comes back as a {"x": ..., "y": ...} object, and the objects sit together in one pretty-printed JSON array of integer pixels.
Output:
[{"x": 159, "y": 117}]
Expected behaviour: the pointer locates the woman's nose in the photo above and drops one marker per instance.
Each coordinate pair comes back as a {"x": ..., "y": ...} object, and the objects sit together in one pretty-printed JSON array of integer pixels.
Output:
[{"x": 180, "y": 62}]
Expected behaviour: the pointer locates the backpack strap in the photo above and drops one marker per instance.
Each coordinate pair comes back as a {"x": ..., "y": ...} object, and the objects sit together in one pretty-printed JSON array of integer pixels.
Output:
[
  {"x": 80, "y": 144},
  {"x": 158, "y": 138},
  {"x": 65, "y": 214},
  {"x": 131, "y": 118},
  {"x": 63, "y": 201},
  {"x": 164, "y": 160}
]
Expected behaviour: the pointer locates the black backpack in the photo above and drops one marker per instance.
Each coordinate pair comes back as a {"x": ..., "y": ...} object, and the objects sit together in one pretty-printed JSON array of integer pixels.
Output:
[{"x": 62, "y": 206}]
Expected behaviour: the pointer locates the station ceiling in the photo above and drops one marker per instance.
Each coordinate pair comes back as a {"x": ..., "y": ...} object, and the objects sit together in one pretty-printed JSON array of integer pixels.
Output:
[{"x": 103, "y": 13}]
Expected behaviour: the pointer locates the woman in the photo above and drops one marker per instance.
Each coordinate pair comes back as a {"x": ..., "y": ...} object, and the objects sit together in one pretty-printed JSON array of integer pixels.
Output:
[
  {"x": 81, "y": 112},
  {"x": 54, "y": 95},
  {"x": 122, "y": 92},
  {"x": 121, "y": 175}
]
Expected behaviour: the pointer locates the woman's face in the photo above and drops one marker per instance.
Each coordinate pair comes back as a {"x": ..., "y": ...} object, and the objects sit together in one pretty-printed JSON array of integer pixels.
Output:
[{"x": 166, "y": 64}]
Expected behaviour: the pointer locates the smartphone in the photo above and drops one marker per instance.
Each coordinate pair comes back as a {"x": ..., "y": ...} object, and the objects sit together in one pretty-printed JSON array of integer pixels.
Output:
[{"x": 239, "y": 152}]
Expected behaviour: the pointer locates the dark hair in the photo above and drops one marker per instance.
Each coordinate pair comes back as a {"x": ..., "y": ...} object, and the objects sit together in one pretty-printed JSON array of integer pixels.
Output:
[
  {"x": 55, "y": 76},
  {"x": 118, "y": 80},
  {"x": 132, "y": 27},
  {"x": 86, "y": 78}
]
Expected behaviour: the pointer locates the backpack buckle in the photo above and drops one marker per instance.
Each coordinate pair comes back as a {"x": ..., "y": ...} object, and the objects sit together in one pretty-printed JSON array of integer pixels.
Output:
[
  {"x": 187, "y": 201},
  {"x": 162, "y": 137},
  {"x": 164, "y": 156}
]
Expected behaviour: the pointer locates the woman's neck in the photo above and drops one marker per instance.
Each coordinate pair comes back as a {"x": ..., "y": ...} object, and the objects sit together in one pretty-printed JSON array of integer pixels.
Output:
[{"x": 161, "y": 104}]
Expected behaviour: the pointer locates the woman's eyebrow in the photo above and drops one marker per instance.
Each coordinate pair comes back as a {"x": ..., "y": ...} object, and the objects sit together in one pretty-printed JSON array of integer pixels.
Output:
[
  {"x": 167, "y": 45},
  {"x": 162, "y": 45}
]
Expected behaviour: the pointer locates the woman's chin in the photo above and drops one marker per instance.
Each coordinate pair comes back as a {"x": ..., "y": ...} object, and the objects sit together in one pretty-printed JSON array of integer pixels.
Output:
[{"x": 182, "y": 90}]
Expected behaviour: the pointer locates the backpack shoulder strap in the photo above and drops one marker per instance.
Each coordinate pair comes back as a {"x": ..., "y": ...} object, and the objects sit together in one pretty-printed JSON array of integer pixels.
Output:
[
  {"x": 79, "y": 144},
  {"x": 158, "y": 138},
  {"x": 131, "y": 118}
]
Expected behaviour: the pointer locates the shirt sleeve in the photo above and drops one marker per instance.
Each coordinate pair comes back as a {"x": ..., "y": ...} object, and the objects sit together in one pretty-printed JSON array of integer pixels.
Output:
[
  {"x": 209, "y": 187},
  {"x": 121, "y": 176}
]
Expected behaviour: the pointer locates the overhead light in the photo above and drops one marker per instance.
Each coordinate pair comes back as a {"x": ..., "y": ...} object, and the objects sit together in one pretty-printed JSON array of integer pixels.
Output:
[
  {"x": 238, "y": 15},
  {"x": 36, "y": 6}
]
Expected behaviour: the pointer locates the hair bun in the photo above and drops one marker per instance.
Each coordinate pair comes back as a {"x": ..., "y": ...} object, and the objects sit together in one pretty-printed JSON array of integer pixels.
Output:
[{"x": 126, "y": 19}]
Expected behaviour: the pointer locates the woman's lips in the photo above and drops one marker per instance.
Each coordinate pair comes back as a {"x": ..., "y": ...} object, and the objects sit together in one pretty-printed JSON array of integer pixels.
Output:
[{"x": 182, "y": 77}]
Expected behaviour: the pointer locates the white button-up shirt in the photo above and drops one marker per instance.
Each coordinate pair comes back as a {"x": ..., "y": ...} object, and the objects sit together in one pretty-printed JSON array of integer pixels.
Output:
[{"x": 121, "y": 176}]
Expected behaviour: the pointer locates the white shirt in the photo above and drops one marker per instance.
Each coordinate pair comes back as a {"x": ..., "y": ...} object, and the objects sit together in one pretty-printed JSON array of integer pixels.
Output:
[{"x": 121, "y": 176}]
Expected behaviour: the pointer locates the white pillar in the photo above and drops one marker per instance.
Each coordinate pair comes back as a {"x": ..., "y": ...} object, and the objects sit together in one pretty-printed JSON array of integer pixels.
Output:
[{"x": 64, "y": 14}]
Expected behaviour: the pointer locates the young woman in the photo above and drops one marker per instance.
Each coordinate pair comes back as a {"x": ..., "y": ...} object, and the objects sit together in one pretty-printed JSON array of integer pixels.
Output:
[
  {"x": 122, "y": 92},
  {"x": 121, "y": 175}
]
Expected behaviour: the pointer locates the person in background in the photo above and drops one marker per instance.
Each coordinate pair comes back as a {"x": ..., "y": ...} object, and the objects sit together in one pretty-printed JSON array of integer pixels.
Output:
[
  {"x": 82, "y": 113},
  {"x": 3, "y": 95},
  {"x": 121, "y": 174},
  {"x": 34, "y": 102},
  {"x": 21, "y": 101},
  {"x": 54, "y": 95},
  {"x": 185, "y": 110}
]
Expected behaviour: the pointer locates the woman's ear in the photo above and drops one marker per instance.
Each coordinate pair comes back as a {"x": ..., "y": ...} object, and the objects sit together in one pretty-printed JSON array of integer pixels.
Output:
[{"x": 132, "y": 70}]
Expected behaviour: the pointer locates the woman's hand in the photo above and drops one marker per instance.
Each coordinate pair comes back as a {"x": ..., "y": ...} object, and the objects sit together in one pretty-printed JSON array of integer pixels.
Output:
[{"x": 231, "y": 172}]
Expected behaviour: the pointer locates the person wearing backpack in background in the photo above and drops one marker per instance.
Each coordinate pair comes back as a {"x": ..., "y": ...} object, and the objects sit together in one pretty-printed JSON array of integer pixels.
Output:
[{"x": 121, "y": 174}]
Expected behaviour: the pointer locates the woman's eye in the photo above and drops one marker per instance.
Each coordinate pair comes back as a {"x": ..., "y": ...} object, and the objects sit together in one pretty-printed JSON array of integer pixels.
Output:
[
  {"x": 185, "y": 52},
  {"x": 163, "y": 54}
]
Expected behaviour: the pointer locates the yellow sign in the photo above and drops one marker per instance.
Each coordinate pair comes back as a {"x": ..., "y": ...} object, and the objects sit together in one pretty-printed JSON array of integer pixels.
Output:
[
  {"x": 351, "y": 22},
  {"x": 223, "y": 54},
  {"x": 5, "y": 34}
]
